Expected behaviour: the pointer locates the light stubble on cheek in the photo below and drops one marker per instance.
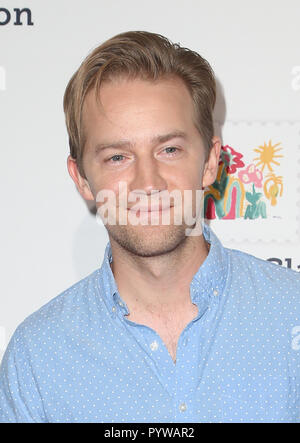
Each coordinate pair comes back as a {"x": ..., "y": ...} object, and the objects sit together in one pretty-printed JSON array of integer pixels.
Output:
[
  {"x": 151, "y": 239},
  {"x": 147, "y": 240}
]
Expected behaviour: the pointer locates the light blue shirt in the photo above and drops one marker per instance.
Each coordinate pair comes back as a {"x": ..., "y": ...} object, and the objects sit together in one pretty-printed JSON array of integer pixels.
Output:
[{"x": 78, "y": 358}]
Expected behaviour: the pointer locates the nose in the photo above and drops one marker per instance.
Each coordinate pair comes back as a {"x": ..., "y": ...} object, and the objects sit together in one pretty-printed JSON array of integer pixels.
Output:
[{"x": 148, "y": 176}]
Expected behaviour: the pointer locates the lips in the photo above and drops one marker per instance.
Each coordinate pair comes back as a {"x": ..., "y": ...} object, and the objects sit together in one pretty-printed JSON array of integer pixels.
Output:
[{"x": 150, "y": 208}]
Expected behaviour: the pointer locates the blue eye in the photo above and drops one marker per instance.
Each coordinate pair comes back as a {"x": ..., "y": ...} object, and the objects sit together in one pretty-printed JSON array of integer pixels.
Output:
[
  {"x": 171, "y": 150},
  {"x": 117, "y": 156}
]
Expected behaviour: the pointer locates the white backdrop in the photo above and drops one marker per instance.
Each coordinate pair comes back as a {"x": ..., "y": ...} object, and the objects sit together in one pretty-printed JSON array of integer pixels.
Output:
[{"x": 49, "y": 239}]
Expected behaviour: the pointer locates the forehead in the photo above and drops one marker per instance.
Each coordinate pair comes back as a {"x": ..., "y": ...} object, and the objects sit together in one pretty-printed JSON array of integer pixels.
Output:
[{"x": 137, "y": 107}]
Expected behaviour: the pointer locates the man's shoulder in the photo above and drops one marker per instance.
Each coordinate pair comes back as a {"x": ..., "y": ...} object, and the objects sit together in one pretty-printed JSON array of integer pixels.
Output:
[
  {"x": 265, "y": 273},
  {"x": 71, "y": 305}
]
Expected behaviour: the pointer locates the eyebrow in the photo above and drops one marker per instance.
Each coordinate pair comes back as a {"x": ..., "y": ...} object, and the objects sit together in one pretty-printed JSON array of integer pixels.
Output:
[{"x": 161, "y": 138}]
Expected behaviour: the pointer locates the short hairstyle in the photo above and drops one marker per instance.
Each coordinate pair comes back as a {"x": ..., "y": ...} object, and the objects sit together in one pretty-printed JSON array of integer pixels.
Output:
[{"x": 144, "y": 55}]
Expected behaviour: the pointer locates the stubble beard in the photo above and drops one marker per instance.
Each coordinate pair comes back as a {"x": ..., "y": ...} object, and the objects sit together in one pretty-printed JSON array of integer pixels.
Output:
[{"x": 147, "y": 240}]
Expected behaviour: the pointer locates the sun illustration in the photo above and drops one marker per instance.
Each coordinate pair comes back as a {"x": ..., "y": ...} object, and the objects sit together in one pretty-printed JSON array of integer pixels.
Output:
[{"x": 267, "y": 155}]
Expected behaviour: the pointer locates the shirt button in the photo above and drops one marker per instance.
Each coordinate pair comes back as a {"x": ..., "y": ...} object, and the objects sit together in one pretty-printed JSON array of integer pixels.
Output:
[
  {"x": 113, "y": 309},
  {"x": 182, "y": 407},
  {"x": 154, "y": 346},
  {"x": 121, "y": 304},
  {"x": 216, "y": 292}
]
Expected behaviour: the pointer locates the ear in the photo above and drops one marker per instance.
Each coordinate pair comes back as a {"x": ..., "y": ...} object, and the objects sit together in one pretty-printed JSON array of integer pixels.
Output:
[
  {"x": 81, "y": 183},
  {"x": 212, "y": 164}
]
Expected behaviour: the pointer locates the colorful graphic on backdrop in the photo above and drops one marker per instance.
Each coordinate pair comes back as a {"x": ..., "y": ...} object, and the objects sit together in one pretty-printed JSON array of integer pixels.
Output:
[
  {"x": 255, "y": 193},
  {"x": 234, "y": 193}
]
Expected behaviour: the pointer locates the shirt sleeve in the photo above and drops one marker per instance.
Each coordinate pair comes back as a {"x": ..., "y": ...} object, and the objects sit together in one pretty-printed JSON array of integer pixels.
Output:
[{"x": 20, "y": 401}]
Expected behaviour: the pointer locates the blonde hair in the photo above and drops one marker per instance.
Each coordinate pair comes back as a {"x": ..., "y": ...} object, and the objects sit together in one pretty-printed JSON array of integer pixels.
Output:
[{"x": 144, "y": 55}]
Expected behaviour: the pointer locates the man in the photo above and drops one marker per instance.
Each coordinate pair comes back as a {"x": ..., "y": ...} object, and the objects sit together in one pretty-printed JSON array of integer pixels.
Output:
[{"x": 173, "y": 327}]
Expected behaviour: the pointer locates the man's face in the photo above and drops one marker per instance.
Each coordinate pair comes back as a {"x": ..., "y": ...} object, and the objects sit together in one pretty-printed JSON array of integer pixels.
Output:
[{"x": 136, "y": 113}]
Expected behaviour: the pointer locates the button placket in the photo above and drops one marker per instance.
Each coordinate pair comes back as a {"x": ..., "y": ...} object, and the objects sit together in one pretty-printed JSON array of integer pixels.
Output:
[
  {"x": 182, "y": 407},
  {"x": 154, "y": 346}
]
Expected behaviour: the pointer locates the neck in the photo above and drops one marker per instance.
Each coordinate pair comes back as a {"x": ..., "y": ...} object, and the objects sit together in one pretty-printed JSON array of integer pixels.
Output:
[{"x": 152, "y": 283}]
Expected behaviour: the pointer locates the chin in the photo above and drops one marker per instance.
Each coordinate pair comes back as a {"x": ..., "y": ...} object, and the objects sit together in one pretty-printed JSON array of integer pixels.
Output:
[{"x": 148, "y": 241}]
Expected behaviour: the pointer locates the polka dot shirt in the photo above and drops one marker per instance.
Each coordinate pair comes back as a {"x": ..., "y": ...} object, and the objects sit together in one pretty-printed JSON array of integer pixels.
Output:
[{"x": 79, "y": 359}]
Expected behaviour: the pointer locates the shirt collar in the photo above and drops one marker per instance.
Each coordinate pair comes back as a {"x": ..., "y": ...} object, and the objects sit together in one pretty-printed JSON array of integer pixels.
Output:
[
  {"x": 208, "y": 282},
  {"x": 210, "y": 279}
]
